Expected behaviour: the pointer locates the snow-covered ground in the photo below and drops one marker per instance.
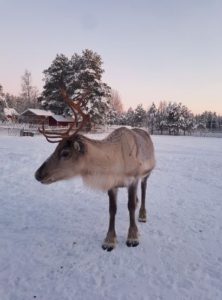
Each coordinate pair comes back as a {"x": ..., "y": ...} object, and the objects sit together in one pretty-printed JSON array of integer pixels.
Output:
[{"x": 50, "y": 236}]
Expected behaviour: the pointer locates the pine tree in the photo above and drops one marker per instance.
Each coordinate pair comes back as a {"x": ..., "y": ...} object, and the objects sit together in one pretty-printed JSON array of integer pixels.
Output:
[
  {"x": 173, "y": 115},
  {"x": 208, "y": 120},
  {"x": 151, "y": 117},
  {"x": 2, "y": 104},
  {"x": 130, "y": 117},
  {"x": 1, "y": 91},
  {"x": 81, "y": 74},
  {"x": 140, "y": 117},
  {"x": 186, "y": 119},
  {"x": 53, "y": 76}
]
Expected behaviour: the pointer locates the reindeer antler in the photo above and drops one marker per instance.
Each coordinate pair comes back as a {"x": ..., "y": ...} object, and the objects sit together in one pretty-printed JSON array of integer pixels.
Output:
[{"x": 77, "y": 104}]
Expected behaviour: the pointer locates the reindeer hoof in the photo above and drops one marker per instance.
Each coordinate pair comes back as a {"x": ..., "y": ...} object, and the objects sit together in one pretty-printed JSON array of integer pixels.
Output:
[
  {"x": 142, "y": 216},
  {"x": 142, "y": 219},
  {"x": 109, "y": 243},
  {"x": 132, "y": 243},
  {"x": 107, "y": 248}
]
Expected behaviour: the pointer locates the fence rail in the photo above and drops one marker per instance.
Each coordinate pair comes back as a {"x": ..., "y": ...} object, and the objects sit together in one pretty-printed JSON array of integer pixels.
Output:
[
  {"x": 24, "y": 129},
  {"x": 18, "y": 129}
]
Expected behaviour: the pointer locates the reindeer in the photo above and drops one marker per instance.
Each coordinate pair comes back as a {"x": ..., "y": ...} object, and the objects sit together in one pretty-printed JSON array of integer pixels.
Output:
[{"x": 120, "y": 160}]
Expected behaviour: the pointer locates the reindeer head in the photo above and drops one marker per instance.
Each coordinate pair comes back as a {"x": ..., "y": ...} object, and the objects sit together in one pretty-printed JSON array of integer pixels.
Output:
[{"x": 67, "y": 159}]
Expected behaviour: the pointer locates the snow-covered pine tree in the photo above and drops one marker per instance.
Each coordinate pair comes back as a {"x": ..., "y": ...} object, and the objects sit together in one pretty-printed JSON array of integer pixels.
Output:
[
  {"x": 151, "y": 117},
  {"x": 51, "y": 98},
  {"x": 1, "y": 91},
  {"x": 80, "y": 74},
  {"x": 2, "y": 105},
  {"x": 140, "y": 117},
  {"x": 186, "y": 119},
  {"x": 122, "y": 119},
  {"x": 173, "y": 116},
  {"x": 86, "y": 75},
  {"x": 115, "y": 118},
  {"x": 219, "y": 123},
  {"x": 209, "y": 119},
  {"x": 129, "y": 117}
]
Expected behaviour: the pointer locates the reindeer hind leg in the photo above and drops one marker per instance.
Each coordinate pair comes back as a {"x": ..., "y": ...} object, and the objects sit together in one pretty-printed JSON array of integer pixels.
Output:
[
  {"x": 133, "y": 236},
  {"x": 142, "y": 211}
]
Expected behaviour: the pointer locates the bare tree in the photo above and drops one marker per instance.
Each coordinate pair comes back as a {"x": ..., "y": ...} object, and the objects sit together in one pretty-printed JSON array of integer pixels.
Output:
[
  {"x": 116, "y": 102},
  {"x": 29, "y": 92}
]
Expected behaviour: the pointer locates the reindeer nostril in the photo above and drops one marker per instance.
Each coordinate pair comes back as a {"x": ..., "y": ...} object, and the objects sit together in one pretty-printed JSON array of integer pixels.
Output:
[{"x": 40, "y": 173}]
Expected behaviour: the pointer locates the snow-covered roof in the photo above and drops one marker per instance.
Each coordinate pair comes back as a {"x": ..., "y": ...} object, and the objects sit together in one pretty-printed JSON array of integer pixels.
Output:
[
  {"x": 59, "y": 118},
  {"x": 48, "y": 113},
  {"x": 10, "y": 112},
  {"x": 39, "y": 112}
]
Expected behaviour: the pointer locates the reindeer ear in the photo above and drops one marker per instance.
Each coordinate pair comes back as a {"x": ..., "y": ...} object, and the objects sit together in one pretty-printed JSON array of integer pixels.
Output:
[{"x": 78, "y": 146}]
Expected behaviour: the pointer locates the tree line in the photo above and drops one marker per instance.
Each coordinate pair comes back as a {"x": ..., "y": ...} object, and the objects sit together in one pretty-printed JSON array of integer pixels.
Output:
[
  {"x": 168, "y": 117},
  {"x": 82, "y": 73}
]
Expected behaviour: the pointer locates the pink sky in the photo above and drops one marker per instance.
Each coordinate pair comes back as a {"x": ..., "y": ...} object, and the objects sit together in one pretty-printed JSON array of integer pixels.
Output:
[{"x": 152, "y": 51}]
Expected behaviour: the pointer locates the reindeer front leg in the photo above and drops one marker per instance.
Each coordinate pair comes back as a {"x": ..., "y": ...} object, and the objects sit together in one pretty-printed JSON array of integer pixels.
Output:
[
  {"x": 132, "y": 239},
  {"x": 110, "y": 240}
]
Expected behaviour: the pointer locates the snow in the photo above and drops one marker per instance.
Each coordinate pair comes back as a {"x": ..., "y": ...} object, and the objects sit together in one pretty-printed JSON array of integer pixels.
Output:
[
  {"x": 10, "y": 112},
  {"x": 60, "y": 118},
  {"x": 50, "y": 241},
  {"x": 38, "y": 112}
]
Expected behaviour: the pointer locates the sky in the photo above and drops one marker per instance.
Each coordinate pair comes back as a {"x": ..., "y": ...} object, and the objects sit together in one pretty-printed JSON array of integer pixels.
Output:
[{"x": 152, "y": 50}]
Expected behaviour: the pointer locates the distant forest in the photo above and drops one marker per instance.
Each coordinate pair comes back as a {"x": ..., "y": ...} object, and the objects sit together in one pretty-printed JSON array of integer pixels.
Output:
[
  {"x": 83, "y": 72},
  {"x": 171, "y": 118}
]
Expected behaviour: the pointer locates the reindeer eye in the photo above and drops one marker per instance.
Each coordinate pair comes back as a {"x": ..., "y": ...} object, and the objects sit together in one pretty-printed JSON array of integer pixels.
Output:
[{"x": 65, "y": 153}]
